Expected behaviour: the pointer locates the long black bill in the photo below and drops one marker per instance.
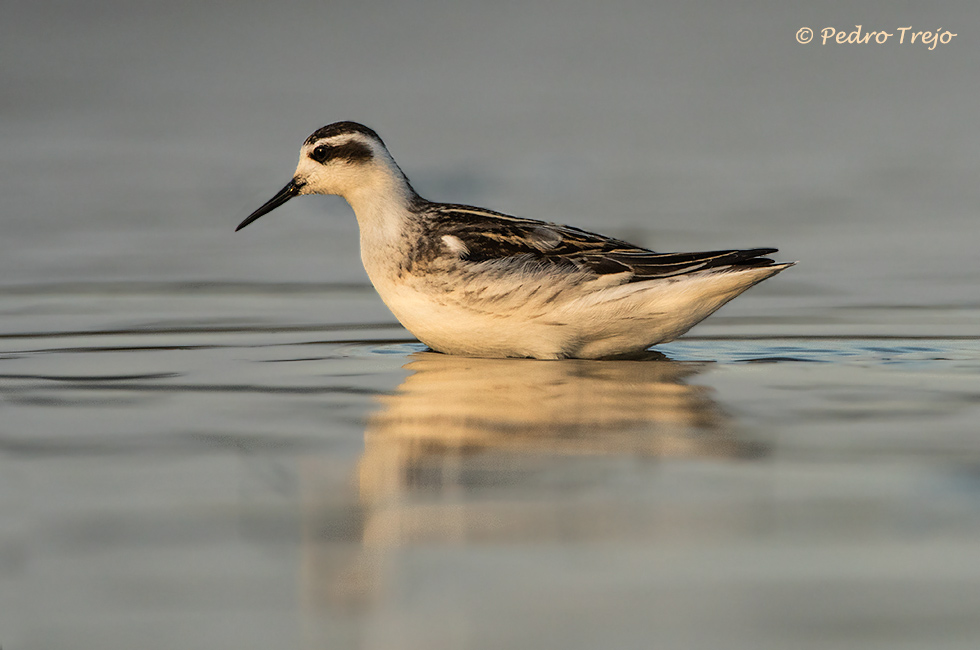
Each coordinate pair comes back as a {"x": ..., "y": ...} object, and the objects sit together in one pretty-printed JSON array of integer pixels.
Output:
[{"x": 292, "y": 189}]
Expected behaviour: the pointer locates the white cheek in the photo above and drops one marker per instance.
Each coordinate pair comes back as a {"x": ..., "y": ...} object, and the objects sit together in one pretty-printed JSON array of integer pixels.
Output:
[
  {"x": 322, "y": 179},
  {"x": 307, "y": 170}
]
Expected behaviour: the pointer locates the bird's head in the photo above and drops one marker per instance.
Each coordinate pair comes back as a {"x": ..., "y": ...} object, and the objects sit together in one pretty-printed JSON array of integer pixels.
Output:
[{"x": 344, "y": 158}]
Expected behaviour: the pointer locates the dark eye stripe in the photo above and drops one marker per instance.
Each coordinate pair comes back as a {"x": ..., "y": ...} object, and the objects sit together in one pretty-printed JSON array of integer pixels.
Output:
[{"x": 352, "y": 152}]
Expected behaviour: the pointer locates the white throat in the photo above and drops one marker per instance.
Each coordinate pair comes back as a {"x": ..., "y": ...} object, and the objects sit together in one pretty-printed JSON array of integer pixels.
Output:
[{"x": 381, "y": 203}]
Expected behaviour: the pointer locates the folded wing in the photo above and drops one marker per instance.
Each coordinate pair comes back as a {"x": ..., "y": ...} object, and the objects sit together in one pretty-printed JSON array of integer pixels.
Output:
[{"x": 489, "y": 236}]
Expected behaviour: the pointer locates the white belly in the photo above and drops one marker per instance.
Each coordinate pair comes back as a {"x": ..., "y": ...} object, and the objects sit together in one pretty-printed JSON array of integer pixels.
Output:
[
  {"x": 446, "y": 325},
  {"x": 587, "y": 320}
]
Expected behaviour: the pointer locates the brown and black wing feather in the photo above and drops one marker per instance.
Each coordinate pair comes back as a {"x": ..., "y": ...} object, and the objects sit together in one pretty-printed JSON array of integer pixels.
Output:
[{"x": 490, "y": 236}]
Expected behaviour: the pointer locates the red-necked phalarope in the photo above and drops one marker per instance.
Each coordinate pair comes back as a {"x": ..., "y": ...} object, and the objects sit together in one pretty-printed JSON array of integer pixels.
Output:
[{"x": 475, "y": 282}]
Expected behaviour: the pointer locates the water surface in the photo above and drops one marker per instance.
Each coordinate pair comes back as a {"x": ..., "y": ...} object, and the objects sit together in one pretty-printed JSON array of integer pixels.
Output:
[{"x": 337, "y": 485}]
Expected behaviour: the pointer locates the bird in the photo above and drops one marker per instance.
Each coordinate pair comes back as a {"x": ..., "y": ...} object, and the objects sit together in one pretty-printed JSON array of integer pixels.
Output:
[{"x": 478, "y": 283}]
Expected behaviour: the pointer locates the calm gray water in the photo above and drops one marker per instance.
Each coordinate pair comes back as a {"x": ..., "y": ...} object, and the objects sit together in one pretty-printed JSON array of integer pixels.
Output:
[{"x": 221, "y": 440}]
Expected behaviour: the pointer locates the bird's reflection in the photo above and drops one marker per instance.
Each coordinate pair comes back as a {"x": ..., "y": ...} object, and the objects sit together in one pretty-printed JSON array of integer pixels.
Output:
[
  {"x": 456, "y": 424},
  {"x": 486, "y": 450}
]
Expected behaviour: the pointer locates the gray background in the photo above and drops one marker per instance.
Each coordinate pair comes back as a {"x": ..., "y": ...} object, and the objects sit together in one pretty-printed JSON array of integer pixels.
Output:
[{"x": 135, "y": 134}]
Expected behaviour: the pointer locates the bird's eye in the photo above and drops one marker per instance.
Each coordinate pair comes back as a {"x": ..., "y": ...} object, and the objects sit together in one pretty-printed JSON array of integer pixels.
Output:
[{"x": 320, "y": 153}]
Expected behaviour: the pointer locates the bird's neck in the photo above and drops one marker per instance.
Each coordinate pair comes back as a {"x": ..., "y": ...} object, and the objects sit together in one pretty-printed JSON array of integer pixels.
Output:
[
  {"x": 382, "y": 205},
  {"x": 381, "y": 198}
]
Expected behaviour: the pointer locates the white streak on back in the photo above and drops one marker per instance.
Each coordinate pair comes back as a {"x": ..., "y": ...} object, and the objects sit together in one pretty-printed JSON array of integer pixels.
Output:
[{"x": 455, "y": 245}]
